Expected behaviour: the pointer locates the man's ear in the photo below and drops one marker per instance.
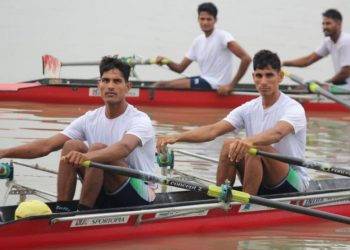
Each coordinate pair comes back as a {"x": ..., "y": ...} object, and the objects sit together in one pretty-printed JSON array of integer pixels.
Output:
[
  {"x": 128, "y": 85},
  {"x": 281, "y": 74}
]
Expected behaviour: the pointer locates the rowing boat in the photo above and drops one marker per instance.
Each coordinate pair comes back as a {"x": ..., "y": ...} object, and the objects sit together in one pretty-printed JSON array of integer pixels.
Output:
[
  {"x": 84, "y": 91},
  {"x": 54, "y": 89},
  {"x": 172, "y": 213}
]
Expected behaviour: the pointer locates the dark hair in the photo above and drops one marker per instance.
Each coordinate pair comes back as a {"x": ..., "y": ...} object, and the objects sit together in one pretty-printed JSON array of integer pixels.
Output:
[
  {"x": 208, "y": 7},
  {"x": 333, "y": 13},
  {"x": 265, "y": 58},
  {"x": 113, "y": 62}
]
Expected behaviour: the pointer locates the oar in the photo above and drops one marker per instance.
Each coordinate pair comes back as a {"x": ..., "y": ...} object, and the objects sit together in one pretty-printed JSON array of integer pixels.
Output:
[
  {"x": 314, "y": 87},
  {"x": 324, "y": 167},
  {"x": 215, "y": 191},
  {"x": 52, "y": 65},
  {"x": 203, "y": 157}
]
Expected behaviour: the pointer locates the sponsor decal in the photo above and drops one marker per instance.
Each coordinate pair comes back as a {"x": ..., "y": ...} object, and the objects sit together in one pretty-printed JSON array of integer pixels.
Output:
[
  {"x": 176, "y": 214},
  {"x": 133, "y": 92},
  {"x": 94, "y": 92},
  {"x": 324, "y": 201},
  {"x": 100, "y": 221}
]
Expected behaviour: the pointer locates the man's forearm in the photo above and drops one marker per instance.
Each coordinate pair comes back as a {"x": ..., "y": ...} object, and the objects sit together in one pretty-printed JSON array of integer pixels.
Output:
[
  {"x": 27, "y": 151},
  {"x": 340, "y": 77},
  {"x": 242, "y": 69}
]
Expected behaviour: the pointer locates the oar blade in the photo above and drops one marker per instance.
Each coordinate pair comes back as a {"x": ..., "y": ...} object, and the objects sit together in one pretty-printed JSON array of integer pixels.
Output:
[{"x": 51, "y": 66}]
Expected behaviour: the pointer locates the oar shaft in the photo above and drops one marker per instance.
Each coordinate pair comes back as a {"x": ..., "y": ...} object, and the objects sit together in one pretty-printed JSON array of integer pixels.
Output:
[
  {"x": 300, "y": 209},
  {"x": 150, "y": 177},
  {"x": 203, "y": 157},
  {"x": 215, "y": 191},
  {"x": 314, "y": 87},
  {"x": 300, "y": 162},
  {"x": 130, "y": 61},
  {"x": 93, "y": 63}
]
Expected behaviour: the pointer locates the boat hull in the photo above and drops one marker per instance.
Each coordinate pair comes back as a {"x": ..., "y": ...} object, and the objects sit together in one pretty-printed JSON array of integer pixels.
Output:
[
  {"x": 78, "y": 92},
  {"x": 173, "y": 213},
  {"x": 39, "y": 233}
]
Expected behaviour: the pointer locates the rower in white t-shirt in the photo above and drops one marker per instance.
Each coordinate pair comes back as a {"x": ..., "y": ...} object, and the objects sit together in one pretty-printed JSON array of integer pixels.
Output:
[
  {"x": 116, "y": 134},
  {"x": 336, "y": 44},
  {"x": 214, "y": 51},
  {"x": 273, "y": 122}
]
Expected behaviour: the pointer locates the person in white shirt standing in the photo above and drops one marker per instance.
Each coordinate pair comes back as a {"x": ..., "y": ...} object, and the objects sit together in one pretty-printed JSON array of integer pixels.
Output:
[
  {"x": 337, "y": 44},
  {"x": 213, "y": 51},
  {"x": 273, "y": 122},
  {"x": 116, "y": 134}
]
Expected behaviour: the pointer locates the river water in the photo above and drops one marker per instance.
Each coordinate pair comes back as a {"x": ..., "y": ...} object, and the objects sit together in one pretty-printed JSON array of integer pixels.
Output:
[
  {"x": 85, "y": 30},
  {"x": 23, "y": 122}
]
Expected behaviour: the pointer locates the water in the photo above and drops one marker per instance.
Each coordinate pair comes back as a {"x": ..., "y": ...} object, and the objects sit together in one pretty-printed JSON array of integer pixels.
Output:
[
  {"x": 85, "y": 30},
  {"x": 23, "y": 122}
]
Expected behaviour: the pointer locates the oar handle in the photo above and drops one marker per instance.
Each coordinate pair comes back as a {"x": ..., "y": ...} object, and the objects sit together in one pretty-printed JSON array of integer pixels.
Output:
[{"x": 283, "y": 158}]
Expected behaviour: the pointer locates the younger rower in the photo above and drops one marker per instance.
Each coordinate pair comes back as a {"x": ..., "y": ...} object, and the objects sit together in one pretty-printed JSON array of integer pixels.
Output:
[{"x": 273, "y": 122}]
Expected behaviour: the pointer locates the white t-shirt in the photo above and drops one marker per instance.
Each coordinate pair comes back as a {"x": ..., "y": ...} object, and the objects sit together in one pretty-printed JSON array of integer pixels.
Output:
[
  {"x": 340, "y": 53},
  {"x": 214, "y": 58},
  {"x": 252, "y": 117},
  {"x": 95, "y": 127}
]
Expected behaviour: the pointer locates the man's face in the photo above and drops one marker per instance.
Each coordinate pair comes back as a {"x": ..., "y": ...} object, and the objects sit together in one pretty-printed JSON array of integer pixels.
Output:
[
  {"x": 330, "y": 26},
  {"x": 113, "y": 86},
  {"x": 267, "y": 81},
  {"x": 206, "y": 21}
]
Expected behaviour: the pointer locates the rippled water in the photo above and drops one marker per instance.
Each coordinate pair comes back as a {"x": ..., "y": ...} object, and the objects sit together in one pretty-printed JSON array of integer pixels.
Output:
[{"x": 327, "y": 142}]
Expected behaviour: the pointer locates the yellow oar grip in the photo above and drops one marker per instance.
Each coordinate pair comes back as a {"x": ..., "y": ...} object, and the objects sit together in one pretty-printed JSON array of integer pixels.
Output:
[
  {"x": 286, "y": 73},
  {"x": 166, "y": 61},
  {"x": 86, "y": 164},
  {"x": 252, "y": 151},
  {"x": 314, "y": 87},
  {"x": 3, "y": 171},
  {"x": 215, "y": 191}
]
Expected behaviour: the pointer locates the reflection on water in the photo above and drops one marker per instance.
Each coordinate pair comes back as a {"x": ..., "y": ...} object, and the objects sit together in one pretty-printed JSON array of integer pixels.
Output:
[
  {"x": 327, "y": 142},
  {"x": 313, "y": 236}
]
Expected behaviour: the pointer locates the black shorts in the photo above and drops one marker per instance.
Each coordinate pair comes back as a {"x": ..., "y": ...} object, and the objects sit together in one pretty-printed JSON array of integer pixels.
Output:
[
  {"x": 198, "y": 82},
  {"x": 290, "y": 184},
  {"x": 123, "y": 198}
]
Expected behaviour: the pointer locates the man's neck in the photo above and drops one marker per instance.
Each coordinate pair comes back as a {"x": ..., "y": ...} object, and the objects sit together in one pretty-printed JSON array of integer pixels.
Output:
[
  {"x": 115, "y": 110},
  {"x": 268, "y": 101},
  {"x": 208, "y": 33},
  {"x": 336, "y": 36}
]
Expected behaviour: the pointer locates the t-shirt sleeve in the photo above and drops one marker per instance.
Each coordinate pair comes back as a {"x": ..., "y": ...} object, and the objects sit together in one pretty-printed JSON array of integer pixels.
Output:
[
  {"x": 75, "y": 130},
  {"x": 344, "y": 55},
  {"x": 226, "y": 38},
  {"x": 322, "y": 50},
  {"x": 235, "y": 117},
  {"x": 295, "y": 116},
  {"x": 141, "y": 126},
  {"x": 191, "y": 53}
]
